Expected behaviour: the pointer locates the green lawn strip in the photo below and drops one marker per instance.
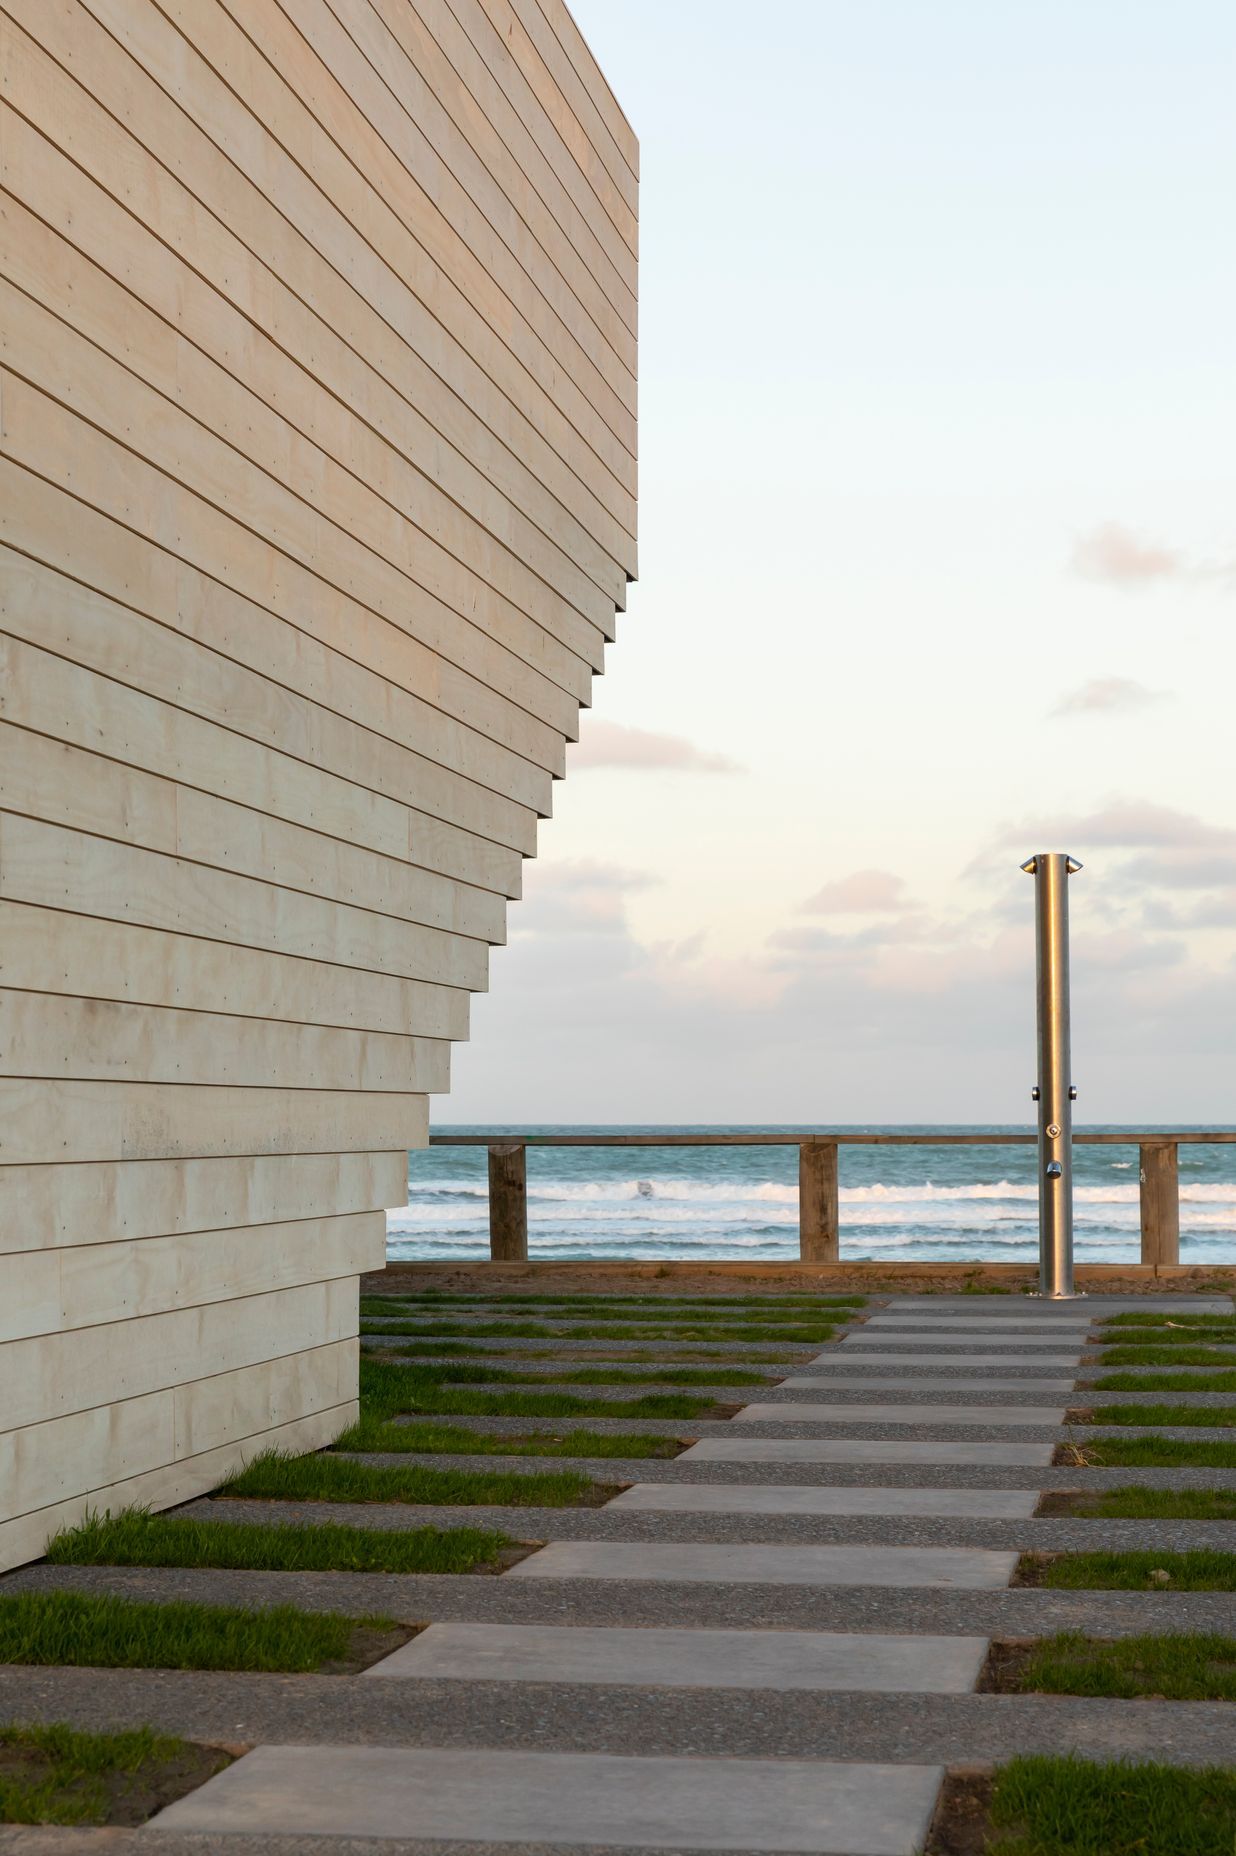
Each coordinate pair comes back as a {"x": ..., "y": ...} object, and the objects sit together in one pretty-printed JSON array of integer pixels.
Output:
[
  {"x": 676, "y": 1305},
  {"x": 1191, "y": 1666},
  {"x": 275, "y": 1476},
  {"x": 1170, "y": 1337},
  {"x": 387, "y": 1388},
  {"x": 135, "y": 1538},
  {"x": 467, "y": 1374},
  {"x": 1202, "y": 1570},
  {"x": 1068, "y": 1806},
  {"x": 600, "y": 1331},
  {"x": 515, "y": 1356},
  {"x": 1169, "y": 1356},
  {"x": 71, "y": 1628},
  {"x": 1141, "y": 1504},
  {"x": 1164, "y": 1414},
  {"x": 1150, "y": 1452},
  {"x": 1160, "y": 1319},
  {"x": 378, "y": 1435},
  {"x": 57, "y": 1775},
  {"x": 1221, "y": 1381}
]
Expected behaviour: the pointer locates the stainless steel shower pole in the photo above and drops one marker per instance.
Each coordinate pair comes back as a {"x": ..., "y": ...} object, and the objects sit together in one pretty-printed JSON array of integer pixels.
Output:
[{"x": 1054, "y": 1091}]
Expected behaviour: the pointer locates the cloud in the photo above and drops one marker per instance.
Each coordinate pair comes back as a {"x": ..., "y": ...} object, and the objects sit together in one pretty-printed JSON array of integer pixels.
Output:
[
  {"x": 1108, "y": 696},
  {"x": 612, "y": 744},
  {"x": 863, "y": 892},
  {"x": 1115, "y": 555},
  {"x": 577, "y": 897},
  {"x": 1128, "y": 824}
]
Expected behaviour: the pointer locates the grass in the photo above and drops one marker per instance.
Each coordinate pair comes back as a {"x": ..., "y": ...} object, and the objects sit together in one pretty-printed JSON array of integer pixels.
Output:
[
  {"x": 1190, "y": 1667},
  {"x": 459, "y": 1349},
  {"x": 1138, "y": 1504},
  {"x": 56, "y": 1775},
  {"x": 70, "y": 1628},
  {"x": 1168, "y": 1356},
  {"x": 377, "y": 1435},
  {"x": 1158, "y": 1453},
  {"x": 135, "y": 1538},
  {"x": 671, "y": 1304},
  {"x": 276, "y": 1476},
  {"x": 388, "y": 1388},
  {"x": 1170, "y": 1337},
  {"x": 468, "y": 1374},
  {"x": 1222, "y": 1381},
  {"x": 1070, "y": 1806},
  {"x": 1202, "y": 1570},
  {"x": 1164, "y": 1414},
  {"x": 1153, "y": 1319},
  {"x": 532, "y": 1330}
]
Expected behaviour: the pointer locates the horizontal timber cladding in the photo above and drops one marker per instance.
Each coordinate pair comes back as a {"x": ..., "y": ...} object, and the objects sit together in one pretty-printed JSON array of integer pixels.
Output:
[{"x": 317, "y": 509}]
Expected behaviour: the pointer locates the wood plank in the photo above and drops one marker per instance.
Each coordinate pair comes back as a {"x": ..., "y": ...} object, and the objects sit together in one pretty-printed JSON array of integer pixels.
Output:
[
  {"x": 437, "y": 395},
  {"x": 563, "y": 25},
  {"x": 328, "y": 391},
  {"x": 421, "y": 157},
  {"x": 256, "y": 830},
  {"x": 59, "y": 532},
  {"x": 52, "y": 867},
  {"x": 46, "y": 1463},
  {"x": 240, "y": 174},
  {"x": 57, "y": 363},
  {"x": 51, "y": 951},
  {"x": 51, "y": 1035},
  {"x": 168, "y": 1485},
  {"x": 50, "y": 1206},
  {"x": 488, "y": 113},
  {"x": 88, "y": 1285},
  {"x": 528, "y": 43},
  {"x": 68, "y": 451},
  {"x": 253, "y": 1398},
  {"x": 310, "y": 443},
  {"x": 55, "y": 1123},
  {"x": 479, "y": 295},
  {"x": 57, "y": 1374}
]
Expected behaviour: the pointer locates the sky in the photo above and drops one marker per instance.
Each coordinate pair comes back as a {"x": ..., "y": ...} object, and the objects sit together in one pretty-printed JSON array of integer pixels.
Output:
[{"x": 937, "y": 569}]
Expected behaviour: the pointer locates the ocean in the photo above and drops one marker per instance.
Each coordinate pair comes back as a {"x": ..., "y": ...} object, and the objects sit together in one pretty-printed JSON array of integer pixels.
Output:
[{"x": 908, "y": 1204}]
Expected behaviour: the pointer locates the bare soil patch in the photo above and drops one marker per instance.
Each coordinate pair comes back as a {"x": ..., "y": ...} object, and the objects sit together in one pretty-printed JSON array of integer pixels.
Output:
[
  {"x": 124, "y": 1799},
  {"x": 1032, "y": 1569},
  {"x": 962, "y": 1821},
  {"x": 1065, "y": 1502}
]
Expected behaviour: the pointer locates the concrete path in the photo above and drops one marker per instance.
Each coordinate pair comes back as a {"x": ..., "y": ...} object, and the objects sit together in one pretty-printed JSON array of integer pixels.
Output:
[{"x": 732, "y": 1654}]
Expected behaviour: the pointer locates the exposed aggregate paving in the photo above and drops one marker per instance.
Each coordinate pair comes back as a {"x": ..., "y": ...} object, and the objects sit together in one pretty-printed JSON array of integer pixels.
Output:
[{"x": 889, "y": 1364}]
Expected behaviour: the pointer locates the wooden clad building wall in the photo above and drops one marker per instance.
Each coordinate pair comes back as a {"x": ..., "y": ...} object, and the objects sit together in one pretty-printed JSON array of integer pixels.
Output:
[{"x": 317, "y": 501}]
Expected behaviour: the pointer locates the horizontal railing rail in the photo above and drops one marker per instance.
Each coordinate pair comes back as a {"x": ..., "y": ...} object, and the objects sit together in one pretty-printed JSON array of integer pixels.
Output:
[{"x": 819, "y": 1218}]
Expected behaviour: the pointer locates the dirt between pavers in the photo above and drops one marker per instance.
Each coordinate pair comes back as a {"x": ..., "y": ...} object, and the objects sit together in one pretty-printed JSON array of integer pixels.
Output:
[
  {"x": 856, "y": 1277},
  {"x": 962, "y": 1817},
  {"x": 129, "y": 1798}
]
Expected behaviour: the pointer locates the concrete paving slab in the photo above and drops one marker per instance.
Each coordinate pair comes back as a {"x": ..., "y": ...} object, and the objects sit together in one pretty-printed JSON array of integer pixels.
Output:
[
  {"x": 820, "y": 1412},
  {"x": 621, "y": 1658},
  {"x": 767, "y": 1498},
  {"x": 1006, "y": 1344},
  {"x": 919, "y": 1381},
  {"x": 871, "y": 1355},
  {"x": 1091, "y": 1304},
  {"x": 976, "y": 1568},
  {"x": 496, "y": 1796},
  {"x": 1009, "y": 1455},
  {"x": 1035, "y": 1324}
]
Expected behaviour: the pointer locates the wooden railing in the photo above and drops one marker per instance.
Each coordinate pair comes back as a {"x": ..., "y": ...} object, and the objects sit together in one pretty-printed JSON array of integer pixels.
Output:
[{"x": 819, "y": 1220}]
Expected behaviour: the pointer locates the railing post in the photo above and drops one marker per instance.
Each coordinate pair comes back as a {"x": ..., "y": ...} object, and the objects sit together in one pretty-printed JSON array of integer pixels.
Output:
[
  {"x": 1160, "y": 1179},
  {"x": 818, "y": 1213},
  {"x": 508, "y": 1202}
]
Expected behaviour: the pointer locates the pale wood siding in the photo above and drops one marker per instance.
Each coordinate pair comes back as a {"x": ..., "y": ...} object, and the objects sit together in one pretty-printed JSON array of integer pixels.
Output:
[{"x": 317, "y": 508}]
